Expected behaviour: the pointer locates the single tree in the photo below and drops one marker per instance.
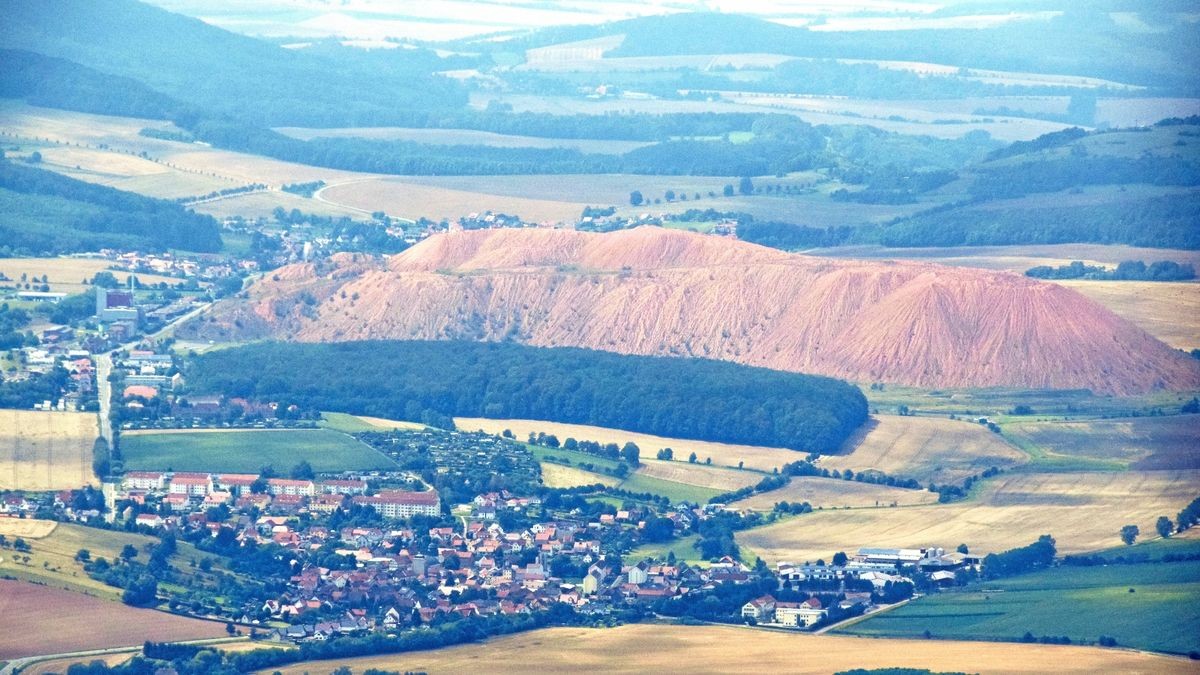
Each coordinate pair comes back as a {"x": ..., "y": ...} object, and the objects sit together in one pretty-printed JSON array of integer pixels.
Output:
[
  {"x": 129, "y": 552},
  {"x": 839, "y": 559},
  {"x": 1129, "y": 534},
  {"x": 635, "y": 198},
  {"x": 746, "y": 186},
  {"x": 1164, "y": 526},
  {"x": 631, "y": 453},
  {"x": 303, "y": 471}
]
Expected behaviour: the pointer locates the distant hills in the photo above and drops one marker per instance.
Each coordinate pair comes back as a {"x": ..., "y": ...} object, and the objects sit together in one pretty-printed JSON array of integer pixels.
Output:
[
  {"x": 659, "y": 292},
  {"x": 222, "y": 73},
  {"x": 1082, "y": 41}
]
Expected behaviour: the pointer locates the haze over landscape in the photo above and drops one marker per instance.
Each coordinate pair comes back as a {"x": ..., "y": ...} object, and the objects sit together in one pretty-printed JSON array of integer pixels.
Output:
[{"x": 672, "y": 336}]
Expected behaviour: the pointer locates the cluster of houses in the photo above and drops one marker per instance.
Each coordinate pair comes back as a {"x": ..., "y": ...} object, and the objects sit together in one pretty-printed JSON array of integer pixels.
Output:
[
  {"x": 477, "y": 570},
  {"x": 179, "y": 494},
  {"x": 766, "y": 610},
  {"x": 81, "y": 383}
]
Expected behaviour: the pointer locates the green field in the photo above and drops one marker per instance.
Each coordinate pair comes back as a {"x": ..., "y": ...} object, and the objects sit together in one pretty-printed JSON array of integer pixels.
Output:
[
  {"x": 572, "y": 457},
  {"x": 1082, "y": 603},
  {"x": 248, "y": 451},
  {"x": 346, "y": 423},
  {"x": 682, "y": 548},
  {"x": 676, "y": 492},
  {"x": 673, "y": 490}
]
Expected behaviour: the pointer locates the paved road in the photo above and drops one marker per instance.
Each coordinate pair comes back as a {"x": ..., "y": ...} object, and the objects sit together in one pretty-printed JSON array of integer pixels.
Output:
[
  {"x": 319, "y": 196},
  {"x": 104, "y": 366},
  {"x": 15, "y": 666}
]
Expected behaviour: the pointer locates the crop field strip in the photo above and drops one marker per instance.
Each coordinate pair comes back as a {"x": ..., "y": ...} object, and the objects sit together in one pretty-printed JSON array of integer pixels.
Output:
[
  {"x": 833, "y": 493},
  {"x": 722, "y": 454},
  {"x": 1138, "y": 443},
  {"x": 465, "y": 137},
  {"x": 925, "y": 448},
  {"x": 66, "y": 275},
  {"x": 1083, "y": 511},
  {"x": 46, "y": 450}
]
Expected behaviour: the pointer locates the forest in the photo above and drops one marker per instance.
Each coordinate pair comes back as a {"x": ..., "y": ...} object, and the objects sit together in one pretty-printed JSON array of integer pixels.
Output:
[
  {"x": 431, "y": 381},
  {"x": 48, "y": 213},
  {"x": 1156, "y": 222}
]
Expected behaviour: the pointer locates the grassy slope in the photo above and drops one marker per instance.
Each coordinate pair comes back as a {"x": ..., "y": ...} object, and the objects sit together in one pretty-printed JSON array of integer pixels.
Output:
[
  {"x": 248, "y": 451},
  {"x": 52, "y": 558}
]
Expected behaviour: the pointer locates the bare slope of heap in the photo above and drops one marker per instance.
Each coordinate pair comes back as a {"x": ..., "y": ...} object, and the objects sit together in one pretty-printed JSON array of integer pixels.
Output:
[{"x": 664, "y": 292}]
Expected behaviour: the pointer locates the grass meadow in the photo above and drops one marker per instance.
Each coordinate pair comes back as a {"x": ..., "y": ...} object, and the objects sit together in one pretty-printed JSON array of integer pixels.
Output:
[
  {"x": 1150, "y": 606},
  {"x": 239, "y": 451}
]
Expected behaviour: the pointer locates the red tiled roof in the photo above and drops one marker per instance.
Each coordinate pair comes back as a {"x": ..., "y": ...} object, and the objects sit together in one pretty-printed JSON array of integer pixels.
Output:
[{"x": 429, "y": 498}]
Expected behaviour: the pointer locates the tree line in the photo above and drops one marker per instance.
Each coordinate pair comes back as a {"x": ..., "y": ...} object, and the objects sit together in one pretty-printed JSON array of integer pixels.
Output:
[
  {"x": 684, "y": 398},
  {"x": 1126, "y": 270}
]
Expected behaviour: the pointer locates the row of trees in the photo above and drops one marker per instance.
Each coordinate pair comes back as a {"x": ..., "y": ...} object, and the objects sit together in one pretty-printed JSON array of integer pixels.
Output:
[
  {"x": 1127, "y": 270},
  {"x": 683, "y": 398}
]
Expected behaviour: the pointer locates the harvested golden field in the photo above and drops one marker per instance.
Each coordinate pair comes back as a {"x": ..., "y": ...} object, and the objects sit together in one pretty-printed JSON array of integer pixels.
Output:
[
  {"x": 52, "y": 621},
  {"x": 194, "y": 164},
  {"x": 560, "y": 476},
  {"x": 727, "y": 649},
  {"x": 403, "y": 198},
  {"x": 46, "y": 450},
  {"x": 26, "y": 528},
  {"x": 1142, "y": 442},
  {"x": 1170, "y": 311},
  {"x": 925, "y": 448},
  {"x": 659, "y": 292},
  {"x": 1083, "y": 511},
  {"x": 60, "y": 126},
  {"x": 831, "y": 493},
  {"x": 679, "y": 471},
  {"x": 723, "y": 454},
  {"x": 66, "y": 275},
  {"x": 262, "y": 204},
  {"x": 611, "y": 188},
  {"x": 1020, "y": 258}
]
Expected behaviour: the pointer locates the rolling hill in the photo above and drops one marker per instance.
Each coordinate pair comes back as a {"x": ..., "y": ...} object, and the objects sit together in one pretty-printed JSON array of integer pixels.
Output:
[
  {"x": 659, "y": 292},
  {"x": 221, "y": 73}
]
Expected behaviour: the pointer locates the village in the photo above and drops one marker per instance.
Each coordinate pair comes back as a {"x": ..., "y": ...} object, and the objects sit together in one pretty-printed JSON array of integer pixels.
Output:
[{"x": 364, "y": 555}]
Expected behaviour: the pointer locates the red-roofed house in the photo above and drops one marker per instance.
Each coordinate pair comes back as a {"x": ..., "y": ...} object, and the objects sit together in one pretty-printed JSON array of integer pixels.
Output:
[
  {"x": 287, "y": 486},
  {"x": 198, "y": 484},
  {"x": 403, "y": 504},
  {"x": 144, "y": 480}
]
